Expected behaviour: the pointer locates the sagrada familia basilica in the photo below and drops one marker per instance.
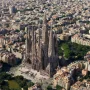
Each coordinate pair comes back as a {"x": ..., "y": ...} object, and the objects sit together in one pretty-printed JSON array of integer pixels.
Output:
[{"x": 42, "y": 49}]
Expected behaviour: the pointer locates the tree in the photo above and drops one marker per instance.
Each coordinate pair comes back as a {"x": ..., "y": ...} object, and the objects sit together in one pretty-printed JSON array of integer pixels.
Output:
[
  {"x": 49, "y": 88},
  {"x": 5, "y": 86},
  {"x": 25, "y": 87},
  {"x": 4, "y": 76},
  {"x": 17, "y": 78},
  {"x": 58, "y": 87},
  {"x": 72, "y": 51},
  {"x": 30, "y": 84}
]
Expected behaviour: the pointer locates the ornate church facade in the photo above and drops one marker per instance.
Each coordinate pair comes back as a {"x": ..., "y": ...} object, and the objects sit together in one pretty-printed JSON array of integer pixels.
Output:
[{"x": 42, "y": 49}]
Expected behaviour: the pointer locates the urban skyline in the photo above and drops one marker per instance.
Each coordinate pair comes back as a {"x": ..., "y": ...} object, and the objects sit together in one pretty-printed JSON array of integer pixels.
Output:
[{"x": 45, "y": 45}]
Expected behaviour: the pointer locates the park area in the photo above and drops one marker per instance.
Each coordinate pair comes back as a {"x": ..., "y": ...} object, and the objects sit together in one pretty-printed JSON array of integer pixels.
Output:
[{"x": 13, "y": 85}]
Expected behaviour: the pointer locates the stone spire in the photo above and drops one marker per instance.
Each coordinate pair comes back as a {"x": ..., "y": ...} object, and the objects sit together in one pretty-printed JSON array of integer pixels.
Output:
[
  {"x": 51, "y": 50},
  {"x": 34, "y": 50},
  {"x": 28, "y": 44},
  {"x": 35, "y": 40},
  {"x": 39, "y": 36},
  {"x": 28, "y": 32},
  {"x": 29, "y": 39},
  {"x": 56, "y": 44},
  {"x": 33, "y": 43},
  {"x": 48, "y": 69},
  {"x": 45, "y": 31},
  {"x": 39, "y": 50},
  {"x": 45, "y": 18},
  {"x": 27, "y": 50},
  {"x": 39, "y": 56}
]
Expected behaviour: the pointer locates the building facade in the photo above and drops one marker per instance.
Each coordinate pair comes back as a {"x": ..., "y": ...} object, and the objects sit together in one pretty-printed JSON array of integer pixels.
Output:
[
  {"x": 79, "y": 39},
  {"x": 41, "y": 51}
]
